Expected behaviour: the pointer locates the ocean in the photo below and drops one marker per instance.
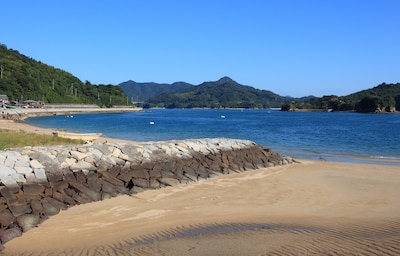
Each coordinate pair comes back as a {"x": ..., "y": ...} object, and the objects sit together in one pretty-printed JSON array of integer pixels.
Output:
[{"x": 330, "y": 136}]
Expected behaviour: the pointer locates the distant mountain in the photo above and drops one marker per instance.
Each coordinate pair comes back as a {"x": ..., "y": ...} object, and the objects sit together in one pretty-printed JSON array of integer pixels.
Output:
[
  {"x": 144, "y": 91},
  {"x": 224, "y": 93}
]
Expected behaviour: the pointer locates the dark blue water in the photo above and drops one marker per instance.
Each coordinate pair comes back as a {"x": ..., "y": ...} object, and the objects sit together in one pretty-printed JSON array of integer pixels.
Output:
[{"x": 310, "y": 135}]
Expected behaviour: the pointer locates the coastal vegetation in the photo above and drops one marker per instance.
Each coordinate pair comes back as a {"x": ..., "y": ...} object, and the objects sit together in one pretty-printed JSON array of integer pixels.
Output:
[
  {"x": 23, "y": 78},
  {"x": 382, "y": 98},
  {"x": 16, "y": 139}
]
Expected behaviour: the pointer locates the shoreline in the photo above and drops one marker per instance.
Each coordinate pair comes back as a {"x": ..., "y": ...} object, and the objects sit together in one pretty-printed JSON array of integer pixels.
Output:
[
  {"x": 19, "y": 125},
  {"x": 22, "y": 113},
  {"x": 313, "y": 207},
  {"x": 22, "y": 126}
]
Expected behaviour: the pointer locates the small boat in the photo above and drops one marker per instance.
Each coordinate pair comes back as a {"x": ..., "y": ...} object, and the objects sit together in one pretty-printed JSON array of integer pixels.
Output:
[{"x": 77, "y": 136}]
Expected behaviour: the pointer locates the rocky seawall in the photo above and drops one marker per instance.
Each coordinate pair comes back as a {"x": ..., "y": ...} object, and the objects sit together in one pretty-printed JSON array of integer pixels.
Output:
[{"x": 38, "y": 182}]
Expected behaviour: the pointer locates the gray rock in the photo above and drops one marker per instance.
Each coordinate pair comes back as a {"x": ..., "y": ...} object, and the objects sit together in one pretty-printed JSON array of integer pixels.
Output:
[
  {"x": 23, "y": 169},
  {"x": 10, "y": 234},
  {"x": 169, "y": 181},
  {"x": 77, "y": 155},
  {"x": 35, "y": 164},
  {"x": 142, "y": 174},
  {"x": 107, "y": 187},
  {"x": 28, "y": 221},
  {"x": 11, "y": 158},
  {"x": 32, "y": 189},
  {"x": 118, "y": 161},
  {"x": 51, "y": 206},
  {"x": 143, "y": 183},
  {"x": 81, "y": 165},
  {"x": 22, "y": 161},
  {"x": 40, "y": 175},
  {"x": 6, "y": 171},
  {"x": 10, "y": 183},
  {"x": 136, "y": 190},
  {"x": 93, "y": 195},
  {"x": 154, "y": 184},
  {"x": 6, "y": 218},
  {"x": 47, "y": 160},
  {"x": 94, "y": 153},
  {"x": 19, "y": 207}
]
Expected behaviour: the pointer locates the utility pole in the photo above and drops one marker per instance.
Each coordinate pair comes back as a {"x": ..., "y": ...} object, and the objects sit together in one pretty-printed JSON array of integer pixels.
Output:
[
  {"x": 53, "y": 85},
  {"x": 1, "y": 71}
]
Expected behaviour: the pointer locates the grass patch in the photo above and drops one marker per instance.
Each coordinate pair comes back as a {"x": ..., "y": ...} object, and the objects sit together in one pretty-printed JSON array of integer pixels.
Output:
[{"x": 18, "y": 139}]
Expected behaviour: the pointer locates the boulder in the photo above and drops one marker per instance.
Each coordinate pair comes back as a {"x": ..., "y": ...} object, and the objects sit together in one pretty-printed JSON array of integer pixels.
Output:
[
  {"x": 6, "y": 218},
  {"x": 169, "y": 181},
  {"x": 93, "y": 195},
  {"x": 19, "y": 207},
  {"x": 28, "y": 221},
  {"x": 9, "y": 234},
  {"x": 51, "y": 206},
  {"x": 32, "y": 189}
]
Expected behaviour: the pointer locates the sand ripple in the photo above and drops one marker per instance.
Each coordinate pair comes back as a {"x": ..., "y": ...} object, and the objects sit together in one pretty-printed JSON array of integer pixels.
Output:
[
  {"x": 378, "y": 238},
  {"x": 311, "y": 208}
]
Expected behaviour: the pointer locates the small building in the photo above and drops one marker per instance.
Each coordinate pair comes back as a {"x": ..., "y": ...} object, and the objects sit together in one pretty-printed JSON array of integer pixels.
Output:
[
  {"x": 3, "y": 98},
  {"x": 33, "y": 104},
  {"x": 3, "y": 101}
]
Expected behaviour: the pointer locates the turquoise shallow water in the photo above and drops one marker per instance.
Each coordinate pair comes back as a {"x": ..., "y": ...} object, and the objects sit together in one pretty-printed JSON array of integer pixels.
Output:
[{"x": 310, "y": 135}]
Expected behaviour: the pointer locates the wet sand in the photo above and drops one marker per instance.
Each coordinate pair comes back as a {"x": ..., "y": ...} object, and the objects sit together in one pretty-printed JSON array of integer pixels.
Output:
[{"x": 311, "y": 208}]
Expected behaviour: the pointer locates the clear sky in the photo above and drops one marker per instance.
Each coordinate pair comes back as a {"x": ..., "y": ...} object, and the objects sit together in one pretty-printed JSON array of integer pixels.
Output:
[{"x": 290, "y": 47}]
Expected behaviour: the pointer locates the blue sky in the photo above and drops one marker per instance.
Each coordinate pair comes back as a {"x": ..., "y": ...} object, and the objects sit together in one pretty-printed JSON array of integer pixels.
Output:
[{"x": 294, "y": 48}]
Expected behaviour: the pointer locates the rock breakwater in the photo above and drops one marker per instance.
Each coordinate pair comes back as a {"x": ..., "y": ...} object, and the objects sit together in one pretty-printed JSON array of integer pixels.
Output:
[{"x": 38, "y": 182}]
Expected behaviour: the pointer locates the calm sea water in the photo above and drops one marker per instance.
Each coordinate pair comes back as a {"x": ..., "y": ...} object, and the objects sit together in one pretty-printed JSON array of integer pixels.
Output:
[{"x": 310, "y": 135}]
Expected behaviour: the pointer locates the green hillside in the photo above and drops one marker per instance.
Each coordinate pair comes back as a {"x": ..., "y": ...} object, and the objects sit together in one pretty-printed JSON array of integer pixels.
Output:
[
  {"x": 23, "y": 78},
  {"x": 224, "y": 93},
  {"x": 382, "y": 98},
  {"x": 144, "y": 91}
]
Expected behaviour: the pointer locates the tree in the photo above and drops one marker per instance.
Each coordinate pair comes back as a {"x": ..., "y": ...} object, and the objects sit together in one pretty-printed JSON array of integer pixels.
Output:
[
  {"x": 286, "y": 107},
  {"x": 397, "y": 102},
  {"x": 369, "y": 104}
]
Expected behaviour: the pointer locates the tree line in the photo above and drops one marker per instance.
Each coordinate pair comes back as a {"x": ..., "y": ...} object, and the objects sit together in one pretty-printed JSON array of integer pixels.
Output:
[
  {"x": 382, "y": 98},
  {"x": 23, "y": 78}
]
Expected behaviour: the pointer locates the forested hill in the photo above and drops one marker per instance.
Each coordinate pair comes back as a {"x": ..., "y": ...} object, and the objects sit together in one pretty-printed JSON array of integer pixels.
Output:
[
  {"x": 224, "y": 93},
  {"x": 23, "y": 78},
  {"x": 381, "y": 98},
  {"x": 144, "y": 91}
]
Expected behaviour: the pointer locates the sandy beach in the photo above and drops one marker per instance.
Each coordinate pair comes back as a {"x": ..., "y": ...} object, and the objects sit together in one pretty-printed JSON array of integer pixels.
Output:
[
  {"x": 21, "y": 126},
  {"x": 309, "y": 208}
]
